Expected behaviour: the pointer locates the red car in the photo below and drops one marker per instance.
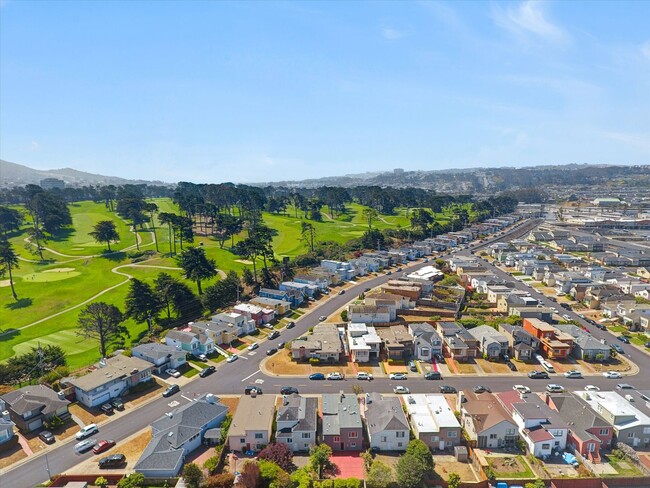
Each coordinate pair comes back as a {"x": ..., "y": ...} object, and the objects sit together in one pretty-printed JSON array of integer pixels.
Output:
[{"x": 103, "y": 446}]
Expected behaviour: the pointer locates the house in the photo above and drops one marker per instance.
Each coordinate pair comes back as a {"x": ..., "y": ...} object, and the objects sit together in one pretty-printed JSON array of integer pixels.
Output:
[
  {"x": 250, "y": 429},
  {"x": 397, "y": 342},
  {"x": 458, "y": 343},
  {"x": 194, "y": 343},
  {"x": 323, "y": 343},
  {"x": 307, "y": 289},
  {"x": 319, "y": 282},
  {"x": 112, "y": 377},
  {"x": 426, "y": 341},
  {"x": 363, "y": 343},
  {"x": 217, "y": 332},
  {"x": 433, "y": 421},
  {"x": 279, "y": 306},
  {"x": 486, "y": 422},
  {"x": 297, "y": 422},
  {"x": 386, "y": 423},
  {"x": 521, "y": 343},
  {"x": 393, "y": 301},
  {"x": 30, "y": 407},
  {"x": 427, "y": 275},
  {"x": 585, "y": 346},
  {"x": 7, "y": 435},
  {"x": 405, "y": 288},
  {"x": 178, "y": 433},
  {"x": 492, "y": 343},
  {"x": 538, "y": 312},
  {"x": 345, "y": 271},
  {"x": 342, "y": 428},
  {"x": 260, "y": 315},
  {"x": 369, "y": 314},
  {"x": 588, "y": 431},
  {"x": 236, "y": 322},
  {"x": 553, "y": 343},
  {"x": 293, "y": 296},
  {"x": 160, "y": 355},
  {"x": 631, "y": 425},
  {"x": 540, "y": 427}
]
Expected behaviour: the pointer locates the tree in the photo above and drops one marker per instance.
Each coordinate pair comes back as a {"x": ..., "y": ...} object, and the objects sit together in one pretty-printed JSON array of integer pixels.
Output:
[
  {"x": 380, "y": 475},
  {"x": 308, "y": 234},
  {"x": 174, "y": 295},
  {"x": 223, "y": 480},
  {"x": 222, "y": 293},
  {"x": 453, "y": 481},
  {"x": 421, "y": 451},
  {"x": 134, "y": 480},
  {"x": 192, "y": 474},
  {"x": 101, "y": 321},
  {"x": 167, "y": 218},
  {"x": 250, "y": 475},
  {"x": 152, "y": 208},
  {"x": 272, "y": 475},
  {"x": 279, "y": 454},
  {"x": 10, "y": 219},
  {"x": 370, "y": 214},
  {"x": 410, "y": 471},
  {"x": 373, "y": 239},
  {"x": 142, "y": 303},
  {"x": 8, "y": 262},
  {"x": 319, "y": 458},
  {"x": 535, "y": 484},
  {"x": 197, "y": 266},
  {"x": 367, "y": 460},
  {"x": 105, "y": 231},
  {"x": 101, "y": 482}
]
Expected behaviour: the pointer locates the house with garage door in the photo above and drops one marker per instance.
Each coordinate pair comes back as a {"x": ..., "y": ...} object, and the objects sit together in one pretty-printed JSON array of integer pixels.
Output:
[
  {"x": 342, "y": 428},
  {"x": 386, "y": 423},
  {"x": 252, "y": 423},
  {"x": 110, "y": 379},
  {"x": 160, "y": 355},
  {"x": 297, "y": 421},
  {"x": 31, "y": 406}
]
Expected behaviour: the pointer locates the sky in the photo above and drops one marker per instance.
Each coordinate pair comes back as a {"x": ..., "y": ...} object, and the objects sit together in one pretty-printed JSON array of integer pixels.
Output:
[{"x": 265, "y": 91}]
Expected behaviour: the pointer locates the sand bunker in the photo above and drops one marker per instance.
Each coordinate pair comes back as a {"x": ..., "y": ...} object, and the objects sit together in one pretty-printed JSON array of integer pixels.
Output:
[
  {"x": 58, "y": 270},
  {"x": 243, "y": 261},
  {"x": 4, "y": 283}
]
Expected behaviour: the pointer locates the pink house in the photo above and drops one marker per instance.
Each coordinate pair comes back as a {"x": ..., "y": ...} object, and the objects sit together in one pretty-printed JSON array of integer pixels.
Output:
[{"x": 254, "y": 312}]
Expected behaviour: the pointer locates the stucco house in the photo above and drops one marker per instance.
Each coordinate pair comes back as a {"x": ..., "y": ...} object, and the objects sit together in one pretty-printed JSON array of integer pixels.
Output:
[
  {"x": 297, "y": 421},
  {"x": 342, "y": 428},
  {"x": 386, "y": 424},
  {"x": 160, "y": 355},
  {"x": 30, "y": 407},
  {"x": 252, "y": 423}
]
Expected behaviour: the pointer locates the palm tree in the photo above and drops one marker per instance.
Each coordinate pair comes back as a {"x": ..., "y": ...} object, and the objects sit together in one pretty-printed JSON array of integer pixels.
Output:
[{"x": 8, "y": 261}]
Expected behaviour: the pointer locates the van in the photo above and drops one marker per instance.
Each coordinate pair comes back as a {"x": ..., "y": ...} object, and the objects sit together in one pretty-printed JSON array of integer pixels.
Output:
[
  {"x": 86, "y": 431},
  {"x": 552, "y": 388},
  {"x": 548, "y": 367}
]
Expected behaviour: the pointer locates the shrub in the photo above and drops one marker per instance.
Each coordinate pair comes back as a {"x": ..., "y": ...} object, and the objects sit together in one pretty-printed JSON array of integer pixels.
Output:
[
  {"x": 223, "y": 480},
  {"x": 211, "y": 464},
  {"x": 314, "y": 361}
]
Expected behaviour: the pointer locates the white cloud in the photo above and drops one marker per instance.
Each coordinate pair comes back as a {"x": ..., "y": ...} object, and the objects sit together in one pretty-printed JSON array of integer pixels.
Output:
[
  {"x": 34, "y": 146},
  {"x": 391, "y": 34},
  {"x": 528, "y": 18},
  {"x": 645, "y": 49}
]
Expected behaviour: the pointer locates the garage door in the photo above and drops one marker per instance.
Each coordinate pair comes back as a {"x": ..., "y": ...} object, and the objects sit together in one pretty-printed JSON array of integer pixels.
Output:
[
  {"x": 102, "y": 399},
  {"x": 35, "y": 424}
]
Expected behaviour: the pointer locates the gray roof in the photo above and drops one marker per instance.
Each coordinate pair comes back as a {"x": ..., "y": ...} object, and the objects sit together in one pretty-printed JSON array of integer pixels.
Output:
[
  {"x": 487, "y": 332},
  {"x": 115, "y": 368},
  {"x": 578, "y": 415},
  {"x": 340, "y": 411},
  {"x": 170, "y": 432},
  {"x": 534, "y": 407},
  {"x": 182, "y": 335},
  {"x": 385, "y": 414},
  {"x": 156, "y": 350},
  {"x": 586, "y": 341},
  {"x": 303, "y": 411},
  {"x": 33, "y": 397}
]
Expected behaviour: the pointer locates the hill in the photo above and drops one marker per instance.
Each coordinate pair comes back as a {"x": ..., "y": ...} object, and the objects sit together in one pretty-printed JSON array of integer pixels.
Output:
[{"x": 12, "y": 174}]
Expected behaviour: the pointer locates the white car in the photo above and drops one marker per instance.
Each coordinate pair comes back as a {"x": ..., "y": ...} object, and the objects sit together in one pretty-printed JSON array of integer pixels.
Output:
[
  {"x": 253, "y": 346},
  {"x": 173, "y": 372},
  {"x": 232, "y": 358},
  {"x": 521, "y": 388},
  {"x": 361, "y": 375},
  {"x": 84, "y": 445},
  {"x": 397, "y": 376},
  {"x": 613, "y": 375},
  {"x": 86, "y": 431},
  {"x": 401, "y": 390},
  {"x": 591, "y": 388},
  {"x": 573, "y": 374},
  {"x": 335, "y": 376}
]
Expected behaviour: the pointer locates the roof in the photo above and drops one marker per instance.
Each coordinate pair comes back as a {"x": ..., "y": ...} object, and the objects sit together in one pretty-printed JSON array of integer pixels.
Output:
[
  {"x": 340, "y": 411},
  {"x": 539, "y": 434},
  {"x": 254, "y": 413},
  {"x": 430, "y": 412},
  {"x": 578, "y": 416},
  {"x": 156, "y": 350},
  {"x": 385, "y": 413},
  {"x": 116, "y": 367},
  {"x": 486, "y": 332},
  {"x": 324, "y": 337},
  {"x": 32, "y": 397},
  {"x": 183, "y": 336},
  {"x": 485, "y": 411},
  {"x": 614, "y": 404},
  {"x": 301, "y": 410}
]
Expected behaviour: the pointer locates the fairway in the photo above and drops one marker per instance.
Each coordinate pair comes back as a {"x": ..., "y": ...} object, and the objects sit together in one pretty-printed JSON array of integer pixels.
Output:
[{"x": 67, "y": 339}]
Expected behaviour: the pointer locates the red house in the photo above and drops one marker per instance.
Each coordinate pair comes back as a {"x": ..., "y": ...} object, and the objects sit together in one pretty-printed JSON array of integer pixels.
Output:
[{"x": 554, "y": 343}]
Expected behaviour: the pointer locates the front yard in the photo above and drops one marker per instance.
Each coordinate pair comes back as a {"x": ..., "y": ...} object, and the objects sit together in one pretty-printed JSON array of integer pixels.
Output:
[
  {"x": 461, "y": 368},
  {"x": 492, "y": 367}
]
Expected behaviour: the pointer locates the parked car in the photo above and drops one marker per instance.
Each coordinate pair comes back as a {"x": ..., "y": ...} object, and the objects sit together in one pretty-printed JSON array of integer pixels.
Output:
[
  {"x": 47, "y": 437},
  {"x": 87, "y": 431},
  {"x": 397, "y": 376},
  {"x": 573, "y": 374},
  {"x": 107, "y": 408},
  {"x": 335, "y": 376},
  {"x": 232, "y": 358},
  {"x": 322, "y": 318},
  {"x": 291, "y": 325},
  {"x": 361, "y": 375},
  {"x": 274, "y": 335},
  {"x": 173, "y": 372},
  {"x": 618, "y": 348},
  {"x": 102, "y": 446},
  {"x": 317, "y": 376},
  {"x": 624, "y": 339},
  {"x": 521, "y": 388},
  {"x": 612, "y": 375},
  {"x": 271, "y": 351},
  {"x": 413, "y": 367},
  {"x": 207, "y": 371},
  {"x": 624, "y": 386},
  {"x": 117, "y": 403},
  {"x": 288, "y": 390},
  {"x": 84, "y": 445},
  {"x": 647, "y": 344},
  {"x": 253, "y": 346},
  {"x": 591, "y": 388},
  {"x": 252, "y": 389},
  {"x": 401, "y": 390},
  {"x": 447, "y": 389},
  {"x": 511, "y": 366},
  {"x": 112, "y": 461},
  {"x": 281, "y": 345},
  {"x": 171, "y": 390},
  {"x": 433, "y": 375},
  {"x": 601, "y": 326},
  {"x": 439, "y": 358},
  {"x": 342, "y": 292},
  {"x": 481, "y": 389},
  {"x": 202, "y": 357},
  {"x": 566, "y": 317},
  {"x": 553, "y": 388},
  {"x": 538, "y": 375}
]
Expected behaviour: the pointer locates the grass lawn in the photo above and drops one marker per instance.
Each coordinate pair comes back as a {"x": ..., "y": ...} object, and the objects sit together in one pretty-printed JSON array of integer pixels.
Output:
[
  {"x": 511, "y": 467},
  {"x": 623, "y": 467},
  {"x": 188, "y": 371}
]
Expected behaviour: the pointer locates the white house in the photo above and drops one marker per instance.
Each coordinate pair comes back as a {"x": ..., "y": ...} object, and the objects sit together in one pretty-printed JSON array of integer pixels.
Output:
[
  {"x": 363, "y": 343},
  {"x": 386, "y": 423}
]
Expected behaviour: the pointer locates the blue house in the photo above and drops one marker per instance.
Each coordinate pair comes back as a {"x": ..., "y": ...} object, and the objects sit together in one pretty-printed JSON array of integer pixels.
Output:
[{"x": 294, "y": 297}]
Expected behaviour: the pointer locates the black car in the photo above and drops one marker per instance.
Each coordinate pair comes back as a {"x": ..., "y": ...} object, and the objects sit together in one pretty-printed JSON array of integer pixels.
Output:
[
  {"x": 538, "y": 375},
  {"x": 281, "y": 345},
  {"x": 288, "y": 390},
  {"x": 481, "y": 389},
  {"x": 274, "y": 334},
  {"x": 565, "y": 306},
  {"x": 117, "y": 404},
  {"x": 624, "y": 339},
  {"x": 291, "y": 325},
  {"x": 207, "y": 371},
  {"x": 511, "y": 365},
  {"x": 601, "y": 326},
  {"x": 647, "y": 344},
  {"x": 271, "y": 351},
  {"x": 448, "y": 389},
  {"x": 439, "y": 358},
  {"x": 433, "y": 375},
  {"x": 171, "y": 390},
  {"x": 112, "y": 461},
  {"x": 47, "y": 437},
  {"x": 252, "y": 389},
  {"x": 107, "y": 408}
]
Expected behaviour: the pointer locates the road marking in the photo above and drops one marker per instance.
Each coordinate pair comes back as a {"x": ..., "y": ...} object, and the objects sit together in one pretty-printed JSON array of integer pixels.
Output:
[
  {"x": 250, "y": 375},
  {"x": 173, "y": 404},
  {"x": 188, "y": 399}
]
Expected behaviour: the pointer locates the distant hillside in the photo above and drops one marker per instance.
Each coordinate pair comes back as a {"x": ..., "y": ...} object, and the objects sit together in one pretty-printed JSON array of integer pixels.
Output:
[{"x": 12, "y": 174}]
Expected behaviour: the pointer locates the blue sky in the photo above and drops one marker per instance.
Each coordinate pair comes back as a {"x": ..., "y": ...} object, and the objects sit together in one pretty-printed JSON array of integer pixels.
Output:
[{"x": 254, "y": 92}]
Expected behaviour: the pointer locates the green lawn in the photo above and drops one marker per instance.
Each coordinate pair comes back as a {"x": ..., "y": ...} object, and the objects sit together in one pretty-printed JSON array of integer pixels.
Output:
[
  {"x": 627, "y": 469},
  {"x": 527, "y": 473}
]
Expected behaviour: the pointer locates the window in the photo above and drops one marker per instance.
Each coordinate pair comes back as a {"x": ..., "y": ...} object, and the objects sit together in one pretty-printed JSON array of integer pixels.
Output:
[
  {"x": 434, "y": 438},
  {"x": 383, "y": 438},
  {"x": 591, "y": 447},
  {"x": 546, "y": 446},
  {"x": 399, "y": 444},
  {"x": 353, "y": 444},
  {"x": 453, "y": 433},
  {"x": 242, "y": 441},
  {"x": 493, "y": 436},
  {"x": 289, "y": 440},
  {"x": 630, "y": 435},
  {"x": 259, "y": 435},
  {"x": 353, "y": 435},
  {"x": 306, "y": 435},
  {"x": 604, "y": 431},
  {"x": 400, "y": 435},
  {"x": 337, "y": 438}
]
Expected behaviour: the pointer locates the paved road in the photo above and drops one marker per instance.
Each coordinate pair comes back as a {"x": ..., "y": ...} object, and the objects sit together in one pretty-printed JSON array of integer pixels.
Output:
[{"x": 231, "y": 379}]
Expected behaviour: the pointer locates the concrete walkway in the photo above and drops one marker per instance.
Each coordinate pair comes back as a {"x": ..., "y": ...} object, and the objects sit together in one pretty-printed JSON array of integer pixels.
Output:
[{"x": 23, "y": 443}]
